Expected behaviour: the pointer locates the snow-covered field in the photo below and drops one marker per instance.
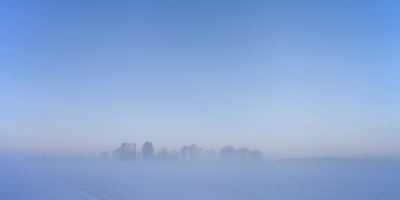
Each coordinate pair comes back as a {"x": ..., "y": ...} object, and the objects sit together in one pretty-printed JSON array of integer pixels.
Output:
[{"x": 326, "y": 179}]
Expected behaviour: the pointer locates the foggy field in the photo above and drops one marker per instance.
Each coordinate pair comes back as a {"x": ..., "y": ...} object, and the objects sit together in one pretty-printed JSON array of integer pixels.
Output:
[
  {"x": 290, "y": 179},
  {"x": 202, "y": 100}
]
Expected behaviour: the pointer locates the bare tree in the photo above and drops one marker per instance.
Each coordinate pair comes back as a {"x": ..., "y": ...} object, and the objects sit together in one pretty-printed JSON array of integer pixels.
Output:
[
  {"x": 256, "y": 156},
  {"x": 163, "y": 153},
  {"x": 183, "y": 152},
  {"x": 242, "y": 154},
  {"x": 127, "y": 151},
  {"x": 194, "y": 151},
  {"x": 209, "y": 154},
  {"x": 213, "y": 153},
  {"x": 147, "y": 150},
  {"x": 227, "y": 152}
]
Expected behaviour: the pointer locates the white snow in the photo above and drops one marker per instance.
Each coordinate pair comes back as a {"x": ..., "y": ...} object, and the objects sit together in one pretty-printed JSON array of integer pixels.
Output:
[{"x": 158, "y": 180}]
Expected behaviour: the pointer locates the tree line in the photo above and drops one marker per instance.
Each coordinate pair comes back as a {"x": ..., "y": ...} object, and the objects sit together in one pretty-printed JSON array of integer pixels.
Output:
[{"x": 128, "y": 152}]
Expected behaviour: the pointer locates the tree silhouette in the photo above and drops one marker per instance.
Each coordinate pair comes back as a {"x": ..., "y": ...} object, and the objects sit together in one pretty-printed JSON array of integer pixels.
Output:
[
  {"x": 256, "y": 156},
  {"x": 209, "y": 154},
  {"x": 163, "y": 153},
  {"x": 183, "y": 152},
  {"x": 127, "y": 151},
  {"x": 147, "y": 150},
  {"x": 242, "y": 154},
  {"x": 194, "y": 151},
  {"x": 227, "y": 152}
]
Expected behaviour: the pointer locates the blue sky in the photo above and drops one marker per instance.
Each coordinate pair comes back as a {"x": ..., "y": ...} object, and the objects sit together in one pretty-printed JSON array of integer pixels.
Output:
[{"x": 291, "y": 78}]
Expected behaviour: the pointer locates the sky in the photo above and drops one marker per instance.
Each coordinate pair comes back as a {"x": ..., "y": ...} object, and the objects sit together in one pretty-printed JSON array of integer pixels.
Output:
[{"x": 290, "y": 78}]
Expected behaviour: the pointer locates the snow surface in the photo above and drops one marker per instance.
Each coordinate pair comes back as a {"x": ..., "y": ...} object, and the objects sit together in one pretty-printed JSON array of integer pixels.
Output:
[{"x": 329, "y": 179}]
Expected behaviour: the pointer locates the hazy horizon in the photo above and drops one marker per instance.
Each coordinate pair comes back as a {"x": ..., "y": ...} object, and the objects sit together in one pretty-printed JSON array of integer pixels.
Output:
[{"x": 293, "y": 79}]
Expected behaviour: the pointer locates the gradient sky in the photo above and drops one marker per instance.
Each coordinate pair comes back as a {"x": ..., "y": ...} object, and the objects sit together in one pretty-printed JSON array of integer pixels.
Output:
[{"x": 291, "y": 78}]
